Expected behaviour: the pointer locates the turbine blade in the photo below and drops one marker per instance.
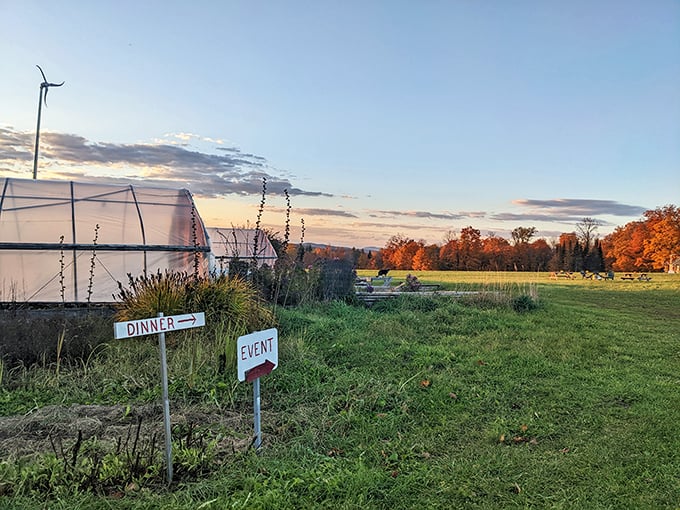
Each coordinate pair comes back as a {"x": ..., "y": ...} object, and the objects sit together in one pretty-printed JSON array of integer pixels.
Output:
[{"x": 41, "y": 72}]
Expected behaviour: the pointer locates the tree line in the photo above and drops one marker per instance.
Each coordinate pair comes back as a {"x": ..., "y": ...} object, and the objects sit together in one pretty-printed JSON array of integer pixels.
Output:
[{"x": 650, "y": 244}]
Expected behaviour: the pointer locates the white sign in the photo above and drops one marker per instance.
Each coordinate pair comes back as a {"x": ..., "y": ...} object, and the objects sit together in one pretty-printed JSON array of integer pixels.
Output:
[
  {"x": 255, "y": 349},
  {"x": 158, "y": 325}
]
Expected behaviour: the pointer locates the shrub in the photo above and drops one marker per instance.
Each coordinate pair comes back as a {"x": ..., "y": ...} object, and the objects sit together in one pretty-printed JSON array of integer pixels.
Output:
[
  {"x": 524, "y": 303},
  {"x": 289, "y": 284}
]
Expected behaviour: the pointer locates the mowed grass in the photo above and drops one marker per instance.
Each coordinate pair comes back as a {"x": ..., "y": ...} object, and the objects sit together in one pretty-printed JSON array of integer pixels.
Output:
[{"x": 437, "y": 403}]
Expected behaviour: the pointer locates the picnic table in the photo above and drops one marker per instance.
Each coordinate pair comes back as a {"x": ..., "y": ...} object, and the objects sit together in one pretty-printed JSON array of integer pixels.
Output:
[
  {"x": 374, "y": 283},
  {"x": 609, "y": 275},
  {"x": 562, "y": 274},
  {"x": 643, "y": 277}
]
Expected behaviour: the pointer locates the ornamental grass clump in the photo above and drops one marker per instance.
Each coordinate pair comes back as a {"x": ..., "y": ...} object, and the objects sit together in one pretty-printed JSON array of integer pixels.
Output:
[
  {"x": 220, "y": 297},
  {"x": 231, "y": 300},
  {"x": 147, "y": 295}
]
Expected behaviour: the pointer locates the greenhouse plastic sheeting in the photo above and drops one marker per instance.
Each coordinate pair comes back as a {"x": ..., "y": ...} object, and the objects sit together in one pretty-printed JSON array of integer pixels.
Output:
[
  {"x": 73, "y": 242},
  {"x": 228, "y": 244}
]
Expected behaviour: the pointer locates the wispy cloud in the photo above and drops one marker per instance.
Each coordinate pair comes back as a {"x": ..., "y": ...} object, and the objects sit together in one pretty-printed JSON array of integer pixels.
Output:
[
  {"x": 581, "y": 207},
  {"x": 567, "y": 211},
  {"x": 426, "y": 215},
  {"x": 314, "y": 211},
  {"x": 229, "y": 171}
]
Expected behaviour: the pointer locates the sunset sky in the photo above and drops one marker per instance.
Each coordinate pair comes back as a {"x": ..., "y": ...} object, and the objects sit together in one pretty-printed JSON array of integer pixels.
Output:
[{"x": 379, "y": 117}]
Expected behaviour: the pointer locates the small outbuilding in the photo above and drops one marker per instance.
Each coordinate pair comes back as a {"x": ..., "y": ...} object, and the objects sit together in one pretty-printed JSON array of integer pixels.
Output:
[{"x": 65, "y": 241}]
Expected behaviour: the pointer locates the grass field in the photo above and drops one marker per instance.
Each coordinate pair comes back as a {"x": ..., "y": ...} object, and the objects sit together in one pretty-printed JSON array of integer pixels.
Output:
[{"x": 424, "y": 403}]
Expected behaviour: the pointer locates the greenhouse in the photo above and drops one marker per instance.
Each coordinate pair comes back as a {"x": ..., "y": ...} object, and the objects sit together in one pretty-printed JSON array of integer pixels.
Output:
[
  {"x": 240, "y": 244},
  {"x": 73, "y": 242}
]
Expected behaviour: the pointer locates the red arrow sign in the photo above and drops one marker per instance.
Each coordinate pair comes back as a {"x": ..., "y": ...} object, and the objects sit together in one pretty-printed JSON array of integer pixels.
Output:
[{"x": 260, "y": 370}]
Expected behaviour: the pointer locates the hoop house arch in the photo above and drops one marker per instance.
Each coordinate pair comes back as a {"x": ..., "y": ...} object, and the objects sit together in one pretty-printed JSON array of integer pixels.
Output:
[
  {"x": 240, "y": 244},
  {"x": 66, "y": 241}
]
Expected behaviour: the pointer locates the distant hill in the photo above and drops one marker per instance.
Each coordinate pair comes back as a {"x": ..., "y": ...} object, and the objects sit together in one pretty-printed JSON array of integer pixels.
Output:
[{"x": 319, "y": 245}]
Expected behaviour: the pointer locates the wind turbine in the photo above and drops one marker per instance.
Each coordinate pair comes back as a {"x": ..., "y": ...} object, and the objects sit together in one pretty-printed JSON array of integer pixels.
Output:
[{"x": 44, "y": 86}]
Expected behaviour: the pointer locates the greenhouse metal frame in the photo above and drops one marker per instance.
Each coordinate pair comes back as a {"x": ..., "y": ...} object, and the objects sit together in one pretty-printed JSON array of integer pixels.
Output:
[
  {"x": 67, "y": 241},
  {"x": 233, "y": 244}
]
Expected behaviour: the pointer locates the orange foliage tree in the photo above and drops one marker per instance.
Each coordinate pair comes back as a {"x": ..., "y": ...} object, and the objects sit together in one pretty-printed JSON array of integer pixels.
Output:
[
  {"x": 663, "y": 243},
  {"x": 426, "y": 258},
  {"x": 647, "y": 244},
  {"x": 496, "y": 254}
]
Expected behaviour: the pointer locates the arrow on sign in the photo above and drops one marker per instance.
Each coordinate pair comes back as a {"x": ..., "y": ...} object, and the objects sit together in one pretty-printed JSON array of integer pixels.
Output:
[
  {"x": 260, "y": 370},
  {"x": 191, "y": 319}
]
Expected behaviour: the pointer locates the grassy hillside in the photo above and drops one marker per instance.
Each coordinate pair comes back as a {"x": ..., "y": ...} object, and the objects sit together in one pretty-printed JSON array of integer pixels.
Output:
[{"x": 413, "y": 403}]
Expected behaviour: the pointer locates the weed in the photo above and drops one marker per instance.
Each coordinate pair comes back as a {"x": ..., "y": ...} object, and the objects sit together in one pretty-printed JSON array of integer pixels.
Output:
[
  {"x": 93, "y": 258},
  {"x": 60, "y": 346},
  {"x": 62, "y": 287},
  {"x": 258, "y": 222}
]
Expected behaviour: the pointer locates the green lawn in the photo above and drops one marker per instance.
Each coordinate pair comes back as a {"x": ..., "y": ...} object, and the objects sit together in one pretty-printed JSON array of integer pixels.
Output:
[{"x": 437, "y": 403}]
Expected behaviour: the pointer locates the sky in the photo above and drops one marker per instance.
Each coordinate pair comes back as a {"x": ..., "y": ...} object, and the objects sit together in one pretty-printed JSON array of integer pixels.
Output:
[{"x": 379, "y": 118}]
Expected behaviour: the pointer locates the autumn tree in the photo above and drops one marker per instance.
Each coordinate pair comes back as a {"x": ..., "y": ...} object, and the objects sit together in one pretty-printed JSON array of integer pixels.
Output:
[
  {"x": 399, "y": 251},
  {"x": 624, "y": 247},
  {"x": 426, "y": 258},
  {"x": 403, "y": 257},
  {"x": 540, "y": 254},
  {"x": 521, "y": 253},
  {"x": 663, "y": 244},
  {"x": 449, "y": 255},
  {"x": 470, "y": 247},
  {"x": 388, "y": 253},
  {"x": 496, "y": 253},
  {"x": 646, "y": 244}
]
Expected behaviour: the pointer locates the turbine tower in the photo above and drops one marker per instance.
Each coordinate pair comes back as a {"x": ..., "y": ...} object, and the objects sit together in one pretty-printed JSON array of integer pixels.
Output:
[{"x": 44, "y": 87}]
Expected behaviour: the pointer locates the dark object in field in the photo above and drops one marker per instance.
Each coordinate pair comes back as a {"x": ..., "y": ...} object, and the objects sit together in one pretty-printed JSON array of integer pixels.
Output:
[{"x": 383, "y": 272}]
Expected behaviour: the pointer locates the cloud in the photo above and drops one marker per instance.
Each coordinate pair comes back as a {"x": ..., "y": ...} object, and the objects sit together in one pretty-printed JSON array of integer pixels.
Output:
[
  {"x": 580, "y": 208},
  {"x": 568, "y": 211},
  {"x": 425, "y": 214},
  {"x": 70, "y": 156},
  {"x": 312, "y": 211}
]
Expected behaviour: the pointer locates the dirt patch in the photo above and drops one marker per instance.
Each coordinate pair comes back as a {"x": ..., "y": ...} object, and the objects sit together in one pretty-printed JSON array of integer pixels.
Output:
[{"x": 51, "y": 427}]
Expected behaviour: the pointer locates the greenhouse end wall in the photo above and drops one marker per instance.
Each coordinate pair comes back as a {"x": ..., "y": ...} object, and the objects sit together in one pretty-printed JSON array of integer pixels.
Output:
[{"x": 64, "y": 241}]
